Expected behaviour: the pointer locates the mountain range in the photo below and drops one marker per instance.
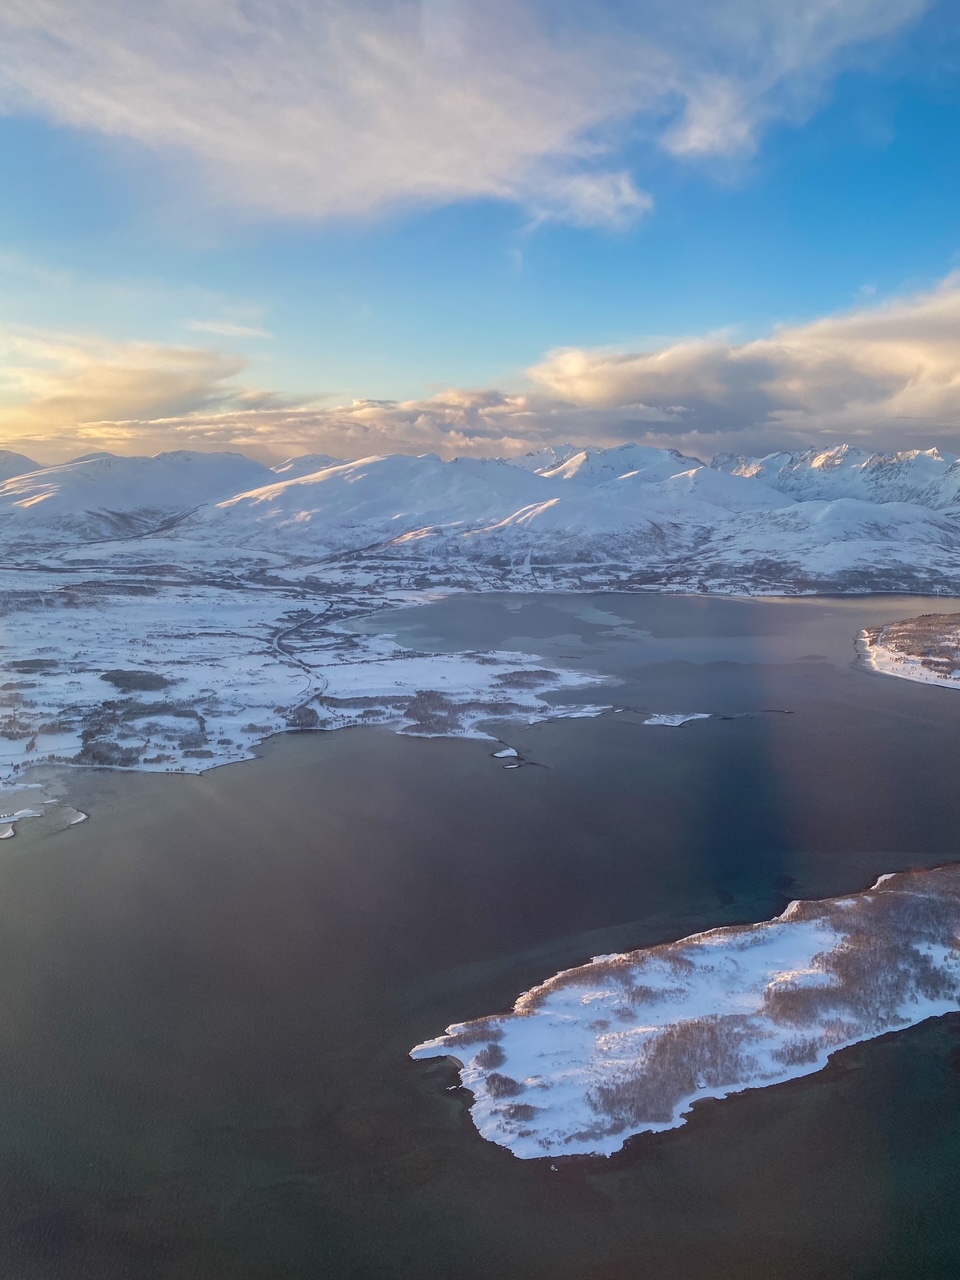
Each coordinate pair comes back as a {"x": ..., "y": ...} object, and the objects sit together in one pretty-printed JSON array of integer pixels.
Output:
[{"x": 822, "y": 519}]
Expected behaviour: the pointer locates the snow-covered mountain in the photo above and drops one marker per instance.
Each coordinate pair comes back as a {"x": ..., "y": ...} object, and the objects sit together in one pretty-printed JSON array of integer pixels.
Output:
[
  {"x": 15, "y": 464},
  {"x": 304, "y": 464},
  {"x": 571, "y": 462},
  {"x": 924, "y": 476},
  {"x": 837, "y": 519},
  {"x": 104, "y": 496},
  {"x": 373, "y": 500},
  {"x": 586, "y": 507}
]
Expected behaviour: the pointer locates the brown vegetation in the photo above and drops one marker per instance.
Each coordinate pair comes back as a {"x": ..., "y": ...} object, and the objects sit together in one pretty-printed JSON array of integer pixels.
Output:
[
  {"x": 799, "y": 1052},
  {"x": 520, "y": 1111},
  {"x": 473, "y": 1033},
  {"x": 490, "y": 1057},
  {"x": 136, "y": 681},
  {"x": 499, "y": 1086},
  {"x": 702, "y": 1053}
]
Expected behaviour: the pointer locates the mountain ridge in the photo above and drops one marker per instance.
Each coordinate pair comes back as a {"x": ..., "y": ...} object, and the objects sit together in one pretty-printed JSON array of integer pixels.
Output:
[{"x": 817, "y": 519}]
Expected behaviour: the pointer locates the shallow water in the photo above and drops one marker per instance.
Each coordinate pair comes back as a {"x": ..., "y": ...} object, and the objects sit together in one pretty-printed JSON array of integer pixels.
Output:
[{"x": 208, "y": 990}]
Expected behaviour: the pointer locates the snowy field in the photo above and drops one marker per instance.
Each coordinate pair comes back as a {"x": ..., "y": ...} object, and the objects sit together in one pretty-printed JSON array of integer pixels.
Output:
[
  {"x": 144, "y": 672},
  {"x": 629, "y": 1043},
  {"x": 184, "y": 678}
]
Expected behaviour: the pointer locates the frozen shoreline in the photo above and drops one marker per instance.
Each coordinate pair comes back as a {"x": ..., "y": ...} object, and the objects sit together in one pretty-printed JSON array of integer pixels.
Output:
[{"x": 629, "y": 1043}]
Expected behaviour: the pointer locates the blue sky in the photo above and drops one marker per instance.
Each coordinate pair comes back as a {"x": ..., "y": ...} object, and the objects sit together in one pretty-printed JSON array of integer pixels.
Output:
[{"x": 213, "y": 264}]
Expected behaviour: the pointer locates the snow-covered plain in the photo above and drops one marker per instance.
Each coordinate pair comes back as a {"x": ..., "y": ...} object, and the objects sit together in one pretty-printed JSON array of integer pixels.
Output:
[
  {"x": 628, "y": 1043},
  {"x": 183, "y": 676}
]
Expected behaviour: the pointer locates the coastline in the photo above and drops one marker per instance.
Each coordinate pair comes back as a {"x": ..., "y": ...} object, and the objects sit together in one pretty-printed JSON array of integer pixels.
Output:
[
  {"x": 304, "y": 920},
  {"x": 321, "y": 674},
  {"x": 879, "y": 659}
]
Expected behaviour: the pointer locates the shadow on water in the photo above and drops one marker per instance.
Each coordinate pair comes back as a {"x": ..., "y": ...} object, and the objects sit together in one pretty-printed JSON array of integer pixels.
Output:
[{"x": 209, "y": 990}]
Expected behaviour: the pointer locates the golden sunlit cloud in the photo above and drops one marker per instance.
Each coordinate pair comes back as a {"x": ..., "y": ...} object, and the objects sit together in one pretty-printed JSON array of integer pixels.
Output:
[
  {"x": 56, "y": 385},
  {"x": 886, "y": 375}
]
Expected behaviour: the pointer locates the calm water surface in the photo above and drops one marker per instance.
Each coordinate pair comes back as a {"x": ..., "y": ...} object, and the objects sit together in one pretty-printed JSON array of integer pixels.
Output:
[{"x": 208, "y": 991}]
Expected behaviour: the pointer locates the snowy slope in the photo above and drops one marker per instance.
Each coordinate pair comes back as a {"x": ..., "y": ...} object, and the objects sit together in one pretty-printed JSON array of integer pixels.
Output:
[
  {"x": 593, "y": 466},
  {"x": 855, "y": 545},
  {"x": 924, "y": 476},
  {"x": 103, "y": 496},
  {"x": 387, "y": 497},
  {"x": 15, "y": 464},
  {"x": 304, "y": 464},
  {"x": 635, "y": 516},
  {"x": 373, "y": 500}
]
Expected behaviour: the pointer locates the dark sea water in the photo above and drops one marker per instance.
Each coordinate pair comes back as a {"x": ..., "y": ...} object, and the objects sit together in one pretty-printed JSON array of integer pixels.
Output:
[{"x": 208, "y": 991}]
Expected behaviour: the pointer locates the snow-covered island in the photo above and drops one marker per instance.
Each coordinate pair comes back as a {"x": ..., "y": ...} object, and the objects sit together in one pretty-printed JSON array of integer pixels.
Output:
[
  {"x": 926, "y": 648},
  {"x": 628, "y": 1043}
]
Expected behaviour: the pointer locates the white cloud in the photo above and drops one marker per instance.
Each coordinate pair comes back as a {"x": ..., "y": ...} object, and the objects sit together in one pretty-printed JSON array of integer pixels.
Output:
[
  {"x": 886, "y": 372},
  {"x": 227, "y": 329},
  {"x": 317, "y": 108}
]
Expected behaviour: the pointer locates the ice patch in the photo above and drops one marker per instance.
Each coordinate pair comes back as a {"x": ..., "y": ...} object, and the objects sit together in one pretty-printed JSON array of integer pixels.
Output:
[
  {"x": 8, "y": 821},
  {"x": 675, "y": 720}
]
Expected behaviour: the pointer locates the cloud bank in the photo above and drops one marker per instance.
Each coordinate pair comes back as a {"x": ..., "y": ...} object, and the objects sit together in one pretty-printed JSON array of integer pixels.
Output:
[
  {"x": 886, "y": 375},
  {"x": 59, "y": 386},
  {"x": 320, "y": 108}
]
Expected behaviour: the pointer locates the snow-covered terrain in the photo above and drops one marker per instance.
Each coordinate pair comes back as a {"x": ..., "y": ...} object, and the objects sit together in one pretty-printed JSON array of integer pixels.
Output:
[
  {"x": 183, "y": 675},
  {"x": 926, "y": 649},
  {"x": 673, "y": 720},
  {"x": 628, "y": 1043},
  {"x": 102, "y": 496},
  {"x": 15, "y": 464},
  {"x": 171, "y": 612},
  {"x": 632, "y": 516},
  {"x": 926, "y": 477},
  {"x": 304, "y": 465}
]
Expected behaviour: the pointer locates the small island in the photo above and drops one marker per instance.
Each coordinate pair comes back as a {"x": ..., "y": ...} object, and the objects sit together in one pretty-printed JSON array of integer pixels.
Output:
[{"x": 628, "y": 1043}]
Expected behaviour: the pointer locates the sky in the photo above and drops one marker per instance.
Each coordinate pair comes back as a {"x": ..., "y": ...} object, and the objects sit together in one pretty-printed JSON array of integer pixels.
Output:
[{"x": 367, "y": 226}]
